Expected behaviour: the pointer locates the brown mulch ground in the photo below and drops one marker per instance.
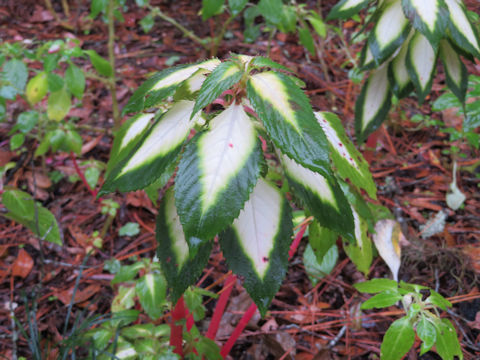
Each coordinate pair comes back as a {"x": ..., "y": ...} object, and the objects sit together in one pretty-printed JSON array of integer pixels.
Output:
[{"x": 409, "y": 165}]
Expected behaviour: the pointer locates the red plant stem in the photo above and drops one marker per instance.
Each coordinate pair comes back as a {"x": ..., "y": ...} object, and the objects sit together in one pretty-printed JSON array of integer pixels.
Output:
[
  {"x": 176, "y": 331},
  {"x": 370, "y": 146},
  {"x": 296, "y": 241},
  {"x": 251, "y": 310},
  {"x": 220, "y": 308},
  {"x": 190, "y": 321},
  {"x": 238, "y": 330},
  {"x": 80, "y": 174}
]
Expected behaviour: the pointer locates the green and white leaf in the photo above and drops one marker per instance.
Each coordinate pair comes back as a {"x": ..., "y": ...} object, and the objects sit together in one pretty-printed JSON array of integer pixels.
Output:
[
  {"x": 188, "y": 89},
  {"x": 256, "y": 245},
  {"x": 398, "y": 74},
  {"x": 180, "y": 268},
  {"x": 124, "y": 299},
  {"x": 23, "y": 209},
  {"x": 217, "y": 173},
  {"x": 158, "y": 148},
  {"x": 462, "y": 31},
  {"x": 220, "y": 79},
  {"x": 361, "y": 252},
  {"x": 421, "y": 61},
  {"x": 367, "y": 60},
  {"x": 151, "y": 291},
  {"x": 323, "y": 197},
  {"x": 429, "y": 17},
  {"x": 348, "y": 161},
  {"x": 163, "y": 84},
  {"x": 398, "y": 339},
  {"x": 373, "y": 103},
  {"x": 390, "y": 31},
  {"x": 289, "y": 120},
  {"x": 455, "y": 71},
  {"x": 346, "y": 8},
  {"x": 358, "y": 203},
  {"x": 129, "y": 134}
]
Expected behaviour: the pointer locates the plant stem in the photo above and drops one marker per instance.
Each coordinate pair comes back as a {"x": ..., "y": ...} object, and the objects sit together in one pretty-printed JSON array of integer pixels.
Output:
[
  {"x": 106, "y": 225},
  {"x": 176, "y": 331},
  {"x": 238, "y": 330},
  {"x": 81, "y": 175},
  {"x": 180, "y": 27},
  {"x": 220, "y": 308},
  {"x": 251, "y": 310},
  {"x": 111, "y": 59},
  {"x": 218, "y": 39},
  {"x": 48, "y": 4}
]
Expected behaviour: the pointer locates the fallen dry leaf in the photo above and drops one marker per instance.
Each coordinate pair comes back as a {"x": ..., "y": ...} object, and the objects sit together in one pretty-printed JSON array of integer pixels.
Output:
[
  {"x": 80, "y": 295},
  {"x": 23, "y": 264}
]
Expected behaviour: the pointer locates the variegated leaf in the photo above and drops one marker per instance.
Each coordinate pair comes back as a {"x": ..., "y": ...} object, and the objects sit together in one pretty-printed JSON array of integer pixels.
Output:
[
  {"x": 361, "y": 252},
  {"x": 151, "y": 292},
  {"x": 180, "y": 268},
  {"x": 256, "y": 245},
  {"x": 289, "y": 120},
  {"x": 429, "y": 17},
  {"x": 390, "y": 31},
  {"x": 163, "y": 84},
  {"x": 373, "y": 103},
  {"x": 462, "y": 30},
  {"x": 346, "y": 8},
  {"x": 358, "y": 203},
  {"x": 348, "y": 161},
  {"x": 420, "y": 61},
  {"x": 129, "y": 134},
  {"x": 455, "y": 70},
  {"x": 221, "y": 79},
  {"x": 188, "y": 89},
  {"x": 323, "y": 197},
  {"x": 398, "y": 73},
  {"x": 158, "y": 148},
  {"x": 367, "y": 60},
  {"x": 217, "y": 172}
]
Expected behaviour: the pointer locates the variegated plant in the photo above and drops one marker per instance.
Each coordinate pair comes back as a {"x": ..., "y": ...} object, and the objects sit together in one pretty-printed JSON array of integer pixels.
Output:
[
  {"x": 222, "y": 183},
  {"x": 402, "y": 49}
]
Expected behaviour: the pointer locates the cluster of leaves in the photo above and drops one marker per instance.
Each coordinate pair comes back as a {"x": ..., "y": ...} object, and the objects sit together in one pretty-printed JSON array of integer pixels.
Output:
[
  {"x": 42, "y": 120},
  {"x": 470, "y": 110},
  {"x": 402, "y": 49},
  {"x": 287, "y": 18},
  {"x": 123, "y": 337},
  {"x": 421, "y": 306},
  {"x": 222, "y": 185},
  {"x": 49, "y": 91}
]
